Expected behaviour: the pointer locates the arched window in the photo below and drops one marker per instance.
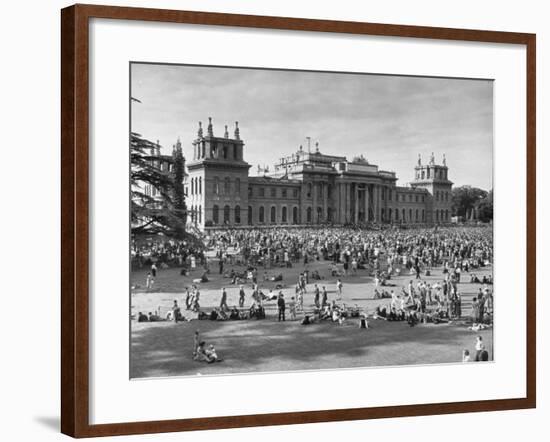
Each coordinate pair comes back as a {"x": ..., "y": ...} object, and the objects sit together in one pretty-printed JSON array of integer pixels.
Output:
[
  {"x": 226, "y": 210},
  {"x": 397, "y": 214},
  {"x": 410, "y": 215},
  {"x": 308, "y": 216},
  {"x": 404, "y": 218},
  {"x": 447, "y": 215},
  {"x": 273, "y": 216},
  {"x": 237, "y": 214},
  {"x": 416, "y": 216},
  {"x": 216, "y": 186},
  {"x": 437, "y": 215},
  {"x": 261, "y": 215},
  {"x": 226, "y": 186},
  {"x": 329, "y": 214},
  {"x": 383, "y": 214},
  {"x": 295, "y": 215},
  {"x": 283, "y": 215},
  {"x": 249, "y": 215},
  {"x": 215, "y": 214},
  {"x": 238, "y": 186},
  {"x": 390, "y": 215},
  {"x": 225, "y": 152},
  {"x": 423, "y": 216},
  {"x": 200, "y": 185}
]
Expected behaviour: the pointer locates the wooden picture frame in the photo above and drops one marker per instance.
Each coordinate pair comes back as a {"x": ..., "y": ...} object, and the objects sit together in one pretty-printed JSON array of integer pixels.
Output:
[{"x": 75, "y": 219}]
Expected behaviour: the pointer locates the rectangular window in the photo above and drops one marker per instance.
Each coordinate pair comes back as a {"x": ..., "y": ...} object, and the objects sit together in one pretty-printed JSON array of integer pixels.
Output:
[
  {"x": 283, "y": 192},
  {"x": 273, "y": 192},
  {"x": 295, "y": 193},
  {"x": 261, "y": 191}
]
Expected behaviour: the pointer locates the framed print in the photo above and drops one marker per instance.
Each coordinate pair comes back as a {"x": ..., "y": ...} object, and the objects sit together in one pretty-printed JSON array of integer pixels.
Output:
[{"x": 272, "y": 221}]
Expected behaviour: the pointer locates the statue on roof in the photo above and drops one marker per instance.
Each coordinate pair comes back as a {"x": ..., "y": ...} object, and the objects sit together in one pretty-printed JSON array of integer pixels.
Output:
[
  {"x": 432, "y": 159},
  {"x": 419, "y": 160}
]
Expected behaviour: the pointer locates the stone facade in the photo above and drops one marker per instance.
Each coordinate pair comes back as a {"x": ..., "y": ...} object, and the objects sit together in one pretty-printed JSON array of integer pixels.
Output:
[{"x": 306, "y": 188}]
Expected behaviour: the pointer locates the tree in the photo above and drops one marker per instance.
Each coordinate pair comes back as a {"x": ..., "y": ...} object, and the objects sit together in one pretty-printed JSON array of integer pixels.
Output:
[
  {"x": 149, "y": 214},
  {"x": 485, "y": 207},
  {"x": 465, "y": 198}
]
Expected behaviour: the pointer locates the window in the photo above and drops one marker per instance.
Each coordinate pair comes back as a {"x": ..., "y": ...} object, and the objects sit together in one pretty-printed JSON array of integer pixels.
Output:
[
  {"x": 416, "y": 198},
  {"x": 308, "y": 214},
  {"x": 410, "y": 198},
  {"x": 192, "y": 186},
  {"x": 250, "y": 191},
  {"x": 295, "y": 193},
  {"x": 284, "y": 192},
  {"x": 437, "y": 215},
  {"x": 226, "y": 210},
  {"x": 308, "y": 193},
  {"x": 200, "y": 185},
  {"x": 404, "y": 217},
  {"x": 261, "y": 191},
  {"x": 238, "y": 186},
  {"x": 284, "y": 215},
  {"x": 261, "y": 216},
  {"x": 416, "y": 216},
  {"x": 226, "y": 186},
  {"x": 383, "y": 214},
  {"x": 225, "y": 152},
  {"x": 319, "y": 214},
  {"x": 216, "y": 186},
  {"x": 423, "y": 216},
  {"x": 200, "y": 214},
  {"x": 215, "y": 214},
  {"x": 273, "y": 192},
  {"x": 390, "y": 194},
  {"x": 295, "y": 215},
  {"x": 410, "y": 215},
  {"x": 237, "y": 214},
  {"x": 249, "y": 215},
  {"x": 273, "y": 215}
]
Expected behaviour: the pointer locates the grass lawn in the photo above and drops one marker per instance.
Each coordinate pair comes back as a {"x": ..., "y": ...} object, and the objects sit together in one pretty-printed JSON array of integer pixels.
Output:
[{"x": 165, "y": 348}]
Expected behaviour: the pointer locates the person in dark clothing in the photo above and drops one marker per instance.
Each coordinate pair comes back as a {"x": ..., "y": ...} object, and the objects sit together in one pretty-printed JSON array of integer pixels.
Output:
[{"x": 281, "y": 305}]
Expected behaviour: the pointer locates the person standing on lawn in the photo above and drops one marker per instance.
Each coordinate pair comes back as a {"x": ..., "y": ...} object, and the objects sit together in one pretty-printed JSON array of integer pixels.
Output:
[{"x": 281, "y": 305}]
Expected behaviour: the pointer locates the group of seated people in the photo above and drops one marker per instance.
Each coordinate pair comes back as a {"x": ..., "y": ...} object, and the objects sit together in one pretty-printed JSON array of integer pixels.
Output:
[
  {"x": 487, "y": 279},
  {"x": 256, "y": 311},
  {"x": 150, "y": 317},
  {"x": 411, "y": 314}
]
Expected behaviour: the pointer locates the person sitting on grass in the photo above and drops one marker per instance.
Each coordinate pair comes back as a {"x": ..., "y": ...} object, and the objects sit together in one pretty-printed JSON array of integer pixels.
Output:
[
  {"x": 234, "y": 313},
  {"x": 206, "y": 355},
  {"x": 154, "y": 317},
  {"x": 142, "y": 317}
]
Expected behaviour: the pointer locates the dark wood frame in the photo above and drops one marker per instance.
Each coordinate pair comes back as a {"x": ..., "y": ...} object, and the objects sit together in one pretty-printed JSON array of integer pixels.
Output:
[{"x": 74, "y": 219}]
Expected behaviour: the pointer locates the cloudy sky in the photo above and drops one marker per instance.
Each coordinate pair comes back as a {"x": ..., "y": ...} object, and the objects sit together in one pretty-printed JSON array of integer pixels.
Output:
[{"x": 388, "y": 119}]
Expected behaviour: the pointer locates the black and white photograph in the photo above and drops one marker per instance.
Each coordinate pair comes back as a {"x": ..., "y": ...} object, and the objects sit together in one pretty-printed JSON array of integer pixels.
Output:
[{"x": 288, "y": 220}]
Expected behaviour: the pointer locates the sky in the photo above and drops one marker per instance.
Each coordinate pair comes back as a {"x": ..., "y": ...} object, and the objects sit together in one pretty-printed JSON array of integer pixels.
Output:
[{"x": 390, "y": 120}]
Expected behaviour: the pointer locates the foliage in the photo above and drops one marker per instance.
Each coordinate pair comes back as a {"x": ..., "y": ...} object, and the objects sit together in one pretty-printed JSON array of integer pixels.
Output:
[
  {"x": 486, "y": 207},
  {"x": 150, "y": 215},
  {"x": 466, "y": 198}
]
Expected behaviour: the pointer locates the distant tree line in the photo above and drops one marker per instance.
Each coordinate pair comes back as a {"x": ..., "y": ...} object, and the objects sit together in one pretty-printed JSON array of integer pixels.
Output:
[{"x": 467, "y": 200}]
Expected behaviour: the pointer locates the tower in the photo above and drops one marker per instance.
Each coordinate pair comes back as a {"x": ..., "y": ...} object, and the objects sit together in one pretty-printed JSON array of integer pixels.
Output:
[
  {"x": 217, "y": 184},
  {"x": 434, "y": 178}
]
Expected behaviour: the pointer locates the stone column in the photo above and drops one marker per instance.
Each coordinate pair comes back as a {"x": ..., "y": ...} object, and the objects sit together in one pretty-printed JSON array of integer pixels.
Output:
[
  {"x": 367, "y": 187},
  {"x": 314, "y": 206},
  {"x": 376, "y": 204},
  {"x": 325, "y": 200},
  {"x": 355, "y": 203},
  {"x": 347, "y": 210}
]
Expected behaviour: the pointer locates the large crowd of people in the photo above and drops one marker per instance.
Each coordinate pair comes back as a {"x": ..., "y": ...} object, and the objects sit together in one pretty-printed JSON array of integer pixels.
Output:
[{"x": 452, "y": 252}]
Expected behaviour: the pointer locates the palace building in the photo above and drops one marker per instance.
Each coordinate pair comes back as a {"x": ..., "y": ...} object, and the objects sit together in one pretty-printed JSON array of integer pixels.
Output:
[{"x": 306, "y": 188}]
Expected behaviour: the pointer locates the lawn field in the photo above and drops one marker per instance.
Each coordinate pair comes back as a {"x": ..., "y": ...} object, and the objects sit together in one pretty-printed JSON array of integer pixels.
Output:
[{"x": 162, "y": 349}]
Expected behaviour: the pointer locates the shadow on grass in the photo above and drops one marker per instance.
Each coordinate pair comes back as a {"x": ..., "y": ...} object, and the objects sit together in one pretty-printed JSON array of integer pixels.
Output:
[{"x": 165, "y": 349}]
